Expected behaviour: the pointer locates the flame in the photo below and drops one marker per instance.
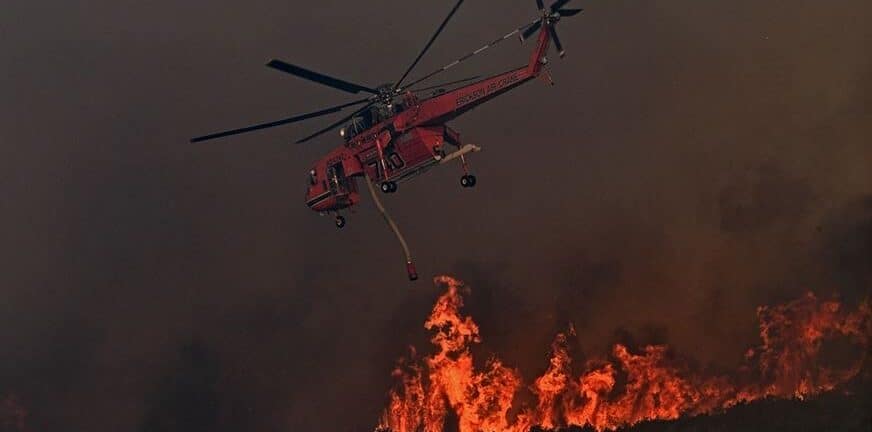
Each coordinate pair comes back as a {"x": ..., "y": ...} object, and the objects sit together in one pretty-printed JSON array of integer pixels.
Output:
[{"x": 624, "y": 389}]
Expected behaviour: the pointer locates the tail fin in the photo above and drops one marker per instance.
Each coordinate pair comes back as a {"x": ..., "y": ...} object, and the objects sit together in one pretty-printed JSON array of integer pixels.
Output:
[{"x": 550, "y": 18}]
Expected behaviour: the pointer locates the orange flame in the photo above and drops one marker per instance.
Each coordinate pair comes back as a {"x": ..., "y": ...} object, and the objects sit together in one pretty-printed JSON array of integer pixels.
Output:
[{"x": 623, "y": 390}]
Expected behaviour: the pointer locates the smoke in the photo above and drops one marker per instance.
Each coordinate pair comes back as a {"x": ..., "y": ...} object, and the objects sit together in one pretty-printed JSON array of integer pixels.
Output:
[
  {"x": 847, "y": 247},
  {"x": 186, "y": 399},
  {"x": 13, "y": 416},
  {"x": 693, "y": 161}
]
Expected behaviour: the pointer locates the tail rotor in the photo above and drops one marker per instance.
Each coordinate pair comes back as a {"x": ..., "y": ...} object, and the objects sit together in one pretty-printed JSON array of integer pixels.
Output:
[{"x": 550, "y": 17}]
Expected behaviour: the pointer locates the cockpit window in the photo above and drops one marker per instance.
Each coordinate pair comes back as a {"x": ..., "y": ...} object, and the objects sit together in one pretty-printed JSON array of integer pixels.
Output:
[{"x": 357, "y": 125}]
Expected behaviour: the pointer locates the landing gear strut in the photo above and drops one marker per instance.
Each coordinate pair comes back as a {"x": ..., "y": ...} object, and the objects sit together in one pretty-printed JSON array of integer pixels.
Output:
[
  {"x": 340, "y": 221},
  {"x": 468, "y": 180},
  {"x": 389, "y": 187}
]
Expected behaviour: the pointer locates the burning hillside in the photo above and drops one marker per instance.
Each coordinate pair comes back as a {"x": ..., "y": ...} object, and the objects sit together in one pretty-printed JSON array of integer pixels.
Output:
[{"x": 808, "y": 346}]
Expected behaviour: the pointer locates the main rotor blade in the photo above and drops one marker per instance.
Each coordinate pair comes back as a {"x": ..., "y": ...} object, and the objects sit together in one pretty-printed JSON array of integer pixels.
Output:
[
  {"x": 429, "y": 43},
  {"x": 569, "y": 12},
  {"x": 448, "y": 83},
  {"x": 319, "y": 77},
  {"x": 556, "y": 40},
  {"x": 532, "y": 29},
  {"x": 558, "y": 4},
  {"x": 337, "y": 123},
  {"x": 278, "y": 122},
  {"x": 540, "y": 4}
]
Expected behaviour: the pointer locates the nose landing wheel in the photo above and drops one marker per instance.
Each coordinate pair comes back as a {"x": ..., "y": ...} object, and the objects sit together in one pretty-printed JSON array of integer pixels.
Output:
[
  {"x": 340, "y": 221},
  {"x": 467, "y": 181}
]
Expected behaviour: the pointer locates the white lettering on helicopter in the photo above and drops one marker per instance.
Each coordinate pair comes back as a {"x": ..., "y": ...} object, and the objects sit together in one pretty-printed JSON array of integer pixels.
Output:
[{"x": 489, "y": 89}]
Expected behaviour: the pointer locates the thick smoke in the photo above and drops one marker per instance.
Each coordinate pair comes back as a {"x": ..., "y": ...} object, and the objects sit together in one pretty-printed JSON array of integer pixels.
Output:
[
  {"x": 186, "y": 398},
  {"x": 694, "y": 161}
]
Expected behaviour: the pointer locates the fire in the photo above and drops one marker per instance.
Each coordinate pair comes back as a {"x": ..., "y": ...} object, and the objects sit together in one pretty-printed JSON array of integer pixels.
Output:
[{"x": 624, "y": 389}]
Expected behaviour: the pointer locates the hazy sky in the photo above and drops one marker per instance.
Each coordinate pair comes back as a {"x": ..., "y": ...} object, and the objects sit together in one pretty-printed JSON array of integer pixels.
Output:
[{"x": 694, "y": 160}]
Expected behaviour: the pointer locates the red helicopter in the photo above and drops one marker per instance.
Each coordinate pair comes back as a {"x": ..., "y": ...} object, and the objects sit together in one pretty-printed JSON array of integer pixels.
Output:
[{"x": 398, "y": 133}]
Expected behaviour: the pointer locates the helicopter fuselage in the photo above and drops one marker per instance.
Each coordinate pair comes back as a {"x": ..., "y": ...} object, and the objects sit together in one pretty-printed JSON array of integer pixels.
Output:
[{"x": 409, "y": 142}]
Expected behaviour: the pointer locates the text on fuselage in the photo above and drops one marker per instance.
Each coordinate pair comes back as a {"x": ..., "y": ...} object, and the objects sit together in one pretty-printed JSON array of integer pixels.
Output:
[{"x": 484, "y": 91}]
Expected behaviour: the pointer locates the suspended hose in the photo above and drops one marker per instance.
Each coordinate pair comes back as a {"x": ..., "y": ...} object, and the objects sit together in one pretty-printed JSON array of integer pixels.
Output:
[{"x": 410, "y": 267}]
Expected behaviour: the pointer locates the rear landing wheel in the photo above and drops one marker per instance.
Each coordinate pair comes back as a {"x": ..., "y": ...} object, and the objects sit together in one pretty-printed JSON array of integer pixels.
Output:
[
  {"x": 340, "y": 221},
  {"x": 468, "y": 181},
  {"x": 389, "y": 187}
]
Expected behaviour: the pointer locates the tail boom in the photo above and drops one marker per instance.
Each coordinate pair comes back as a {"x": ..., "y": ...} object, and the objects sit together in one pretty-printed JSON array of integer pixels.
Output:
[{"x": 452, "y": 104}]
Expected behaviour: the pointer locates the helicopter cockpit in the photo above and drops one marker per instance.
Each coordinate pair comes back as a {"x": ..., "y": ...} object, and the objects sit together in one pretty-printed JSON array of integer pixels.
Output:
[
  {"x": 370, "y": 117},
  {"x": 360, "y": 123}
]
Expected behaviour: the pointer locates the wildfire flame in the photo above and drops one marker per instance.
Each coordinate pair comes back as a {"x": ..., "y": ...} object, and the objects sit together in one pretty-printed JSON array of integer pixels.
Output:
[{"x": 622, "y": 390}]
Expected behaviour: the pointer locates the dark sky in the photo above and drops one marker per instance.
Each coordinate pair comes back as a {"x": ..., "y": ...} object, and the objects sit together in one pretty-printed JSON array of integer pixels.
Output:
[{"x": 694, "y": 160}]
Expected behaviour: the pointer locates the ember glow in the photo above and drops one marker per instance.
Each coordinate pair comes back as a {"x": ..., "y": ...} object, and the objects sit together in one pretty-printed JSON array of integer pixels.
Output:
[{"x": 621, "y": 389}]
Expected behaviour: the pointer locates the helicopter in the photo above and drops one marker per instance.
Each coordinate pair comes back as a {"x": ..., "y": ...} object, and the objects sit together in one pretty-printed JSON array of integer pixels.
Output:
[{"x": 397, "y": 133}]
